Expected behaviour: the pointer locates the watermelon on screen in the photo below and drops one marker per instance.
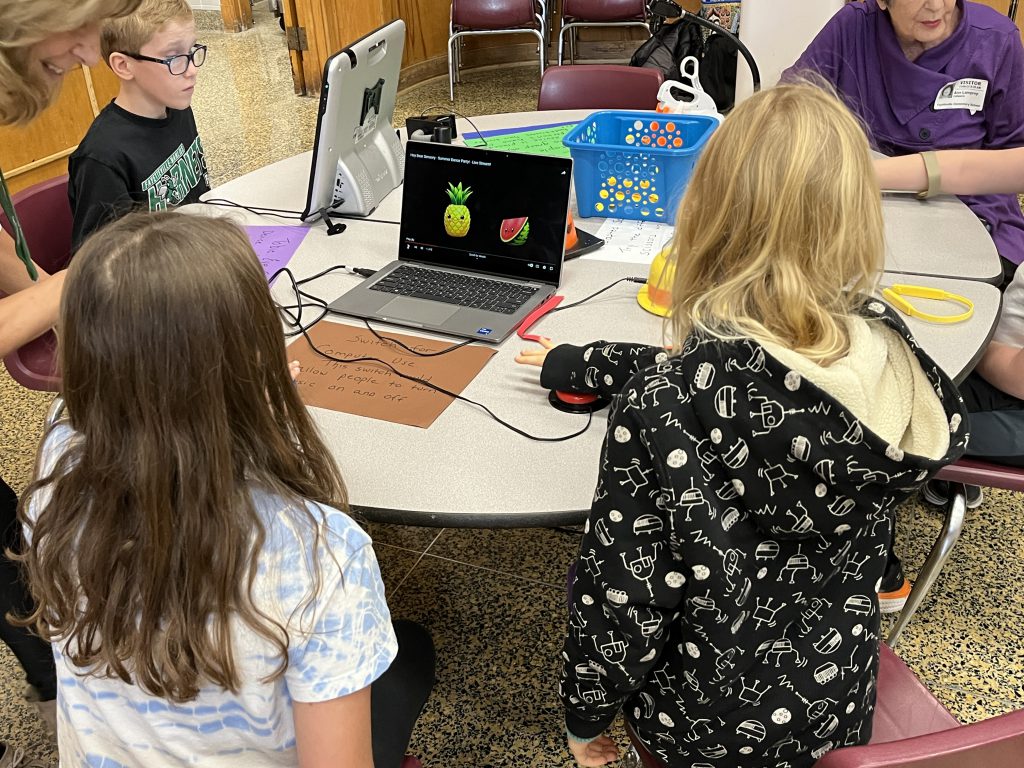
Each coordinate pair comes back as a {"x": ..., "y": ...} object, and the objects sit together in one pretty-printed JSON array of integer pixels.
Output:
[{"x": 515, "y": 231}]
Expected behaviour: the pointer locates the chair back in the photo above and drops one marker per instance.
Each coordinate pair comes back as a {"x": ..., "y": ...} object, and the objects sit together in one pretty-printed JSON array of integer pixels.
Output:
[
  {"x": 493, "y": 14},
  {"x": 604, "y": 10},
  {"x": 777, "y": 32},
  {"x": 599, "y": 86},
  {"x": 992, "y": 743},
  {"x": 975, "y": 472},
  {"x": 45, "y": 215}
]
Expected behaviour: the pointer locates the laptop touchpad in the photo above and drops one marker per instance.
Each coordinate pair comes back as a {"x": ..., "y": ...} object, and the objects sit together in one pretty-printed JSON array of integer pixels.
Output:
[{"x": 417, "y": 311}]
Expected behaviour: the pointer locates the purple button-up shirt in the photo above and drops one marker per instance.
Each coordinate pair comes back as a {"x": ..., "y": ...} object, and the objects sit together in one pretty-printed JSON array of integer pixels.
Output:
[{"x": 858, "y": 52}]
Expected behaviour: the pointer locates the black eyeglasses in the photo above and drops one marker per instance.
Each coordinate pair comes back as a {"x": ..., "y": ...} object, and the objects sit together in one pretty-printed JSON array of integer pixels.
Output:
[{"x": 177, "y": 65}]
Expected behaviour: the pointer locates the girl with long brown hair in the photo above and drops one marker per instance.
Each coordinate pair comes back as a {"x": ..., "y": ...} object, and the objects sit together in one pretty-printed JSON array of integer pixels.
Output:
[{"x": 208, "y": 599}]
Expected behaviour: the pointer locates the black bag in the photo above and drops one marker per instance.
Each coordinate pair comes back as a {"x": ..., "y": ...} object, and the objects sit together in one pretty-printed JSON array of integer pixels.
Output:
[
  {"x": 717, "y": 56},
  {"x": 718, "y": 70},
  {"x": 668, "y": 47}
]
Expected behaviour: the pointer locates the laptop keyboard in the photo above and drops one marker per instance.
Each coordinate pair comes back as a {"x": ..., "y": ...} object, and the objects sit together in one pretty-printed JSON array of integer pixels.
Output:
[{"x": 454, "y": 288}]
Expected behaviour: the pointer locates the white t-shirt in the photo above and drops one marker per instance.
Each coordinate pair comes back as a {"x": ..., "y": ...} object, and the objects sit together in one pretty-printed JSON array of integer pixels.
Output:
[
  {"x": 342, "y": 643},
  {"x": 1010, "y": 329}
]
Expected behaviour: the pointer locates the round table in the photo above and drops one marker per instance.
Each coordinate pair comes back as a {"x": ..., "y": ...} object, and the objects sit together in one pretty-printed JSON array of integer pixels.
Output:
[{"x": 466, "y": 469}]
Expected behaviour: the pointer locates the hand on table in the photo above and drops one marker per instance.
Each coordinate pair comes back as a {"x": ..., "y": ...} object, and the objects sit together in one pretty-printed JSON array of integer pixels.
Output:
[
  {"x": 600, "y": 751},
  {"x": 534, "y": 356}
]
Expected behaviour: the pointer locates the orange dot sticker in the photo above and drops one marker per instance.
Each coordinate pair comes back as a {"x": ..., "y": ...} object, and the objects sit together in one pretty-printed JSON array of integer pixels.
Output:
[
  {"x": 655, "y": 125},
  {"x": 677, "y": 142},
  {"x": 661, "y": 141},
  {"x": 645, "y": 140},
  {"x": 670, "y": 127}
]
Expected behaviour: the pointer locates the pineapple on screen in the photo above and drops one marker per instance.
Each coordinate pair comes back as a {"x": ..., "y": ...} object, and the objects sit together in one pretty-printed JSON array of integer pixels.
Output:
[{"x": 456, "y": 215}]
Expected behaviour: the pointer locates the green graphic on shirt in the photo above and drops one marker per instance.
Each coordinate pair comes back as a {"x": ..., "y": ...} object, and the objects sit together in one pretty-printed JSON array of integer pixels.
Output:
[{"x": 176, "y": 177}]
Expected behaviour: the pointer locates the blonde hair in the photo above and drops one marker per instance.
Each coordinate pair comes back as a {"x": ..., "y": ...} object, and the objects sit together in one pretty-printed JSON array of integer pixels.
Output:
[
  {"x": 25, "y": 91},
  {"x": 130, "y": 33},
  {"x": 780, "y": 232}
]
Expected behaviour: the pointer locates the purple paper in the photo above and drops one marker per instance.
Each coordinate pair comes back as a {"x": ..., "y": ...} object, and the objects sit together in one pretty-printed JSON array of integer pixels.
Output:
[{"x": 275, "y": 246}]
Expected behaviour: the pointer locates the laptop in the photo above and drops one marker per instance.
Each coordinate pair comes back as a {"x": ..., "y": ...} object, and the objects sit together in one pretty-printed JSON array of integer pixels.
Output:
[{"x": 481, "y": 243}]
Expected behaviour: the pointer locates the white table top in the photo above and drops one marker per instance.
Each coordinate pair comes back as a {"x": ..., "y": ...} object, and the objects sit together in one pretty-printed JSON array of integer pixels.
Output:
[
  {"x": 466, "y": 469},
  {"x": 939, "y": 237}
]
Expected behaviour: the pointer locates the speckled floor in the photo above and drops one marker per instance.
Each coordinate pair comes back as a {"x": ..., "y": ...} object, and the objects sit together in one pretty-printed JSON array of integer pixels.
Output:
[{"x": 494, "y": 599}]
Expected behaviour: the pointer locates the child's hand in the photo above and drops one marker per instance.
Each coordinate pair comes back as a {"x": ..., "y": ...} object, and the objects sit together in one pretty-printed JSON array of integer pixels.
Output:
[
  {"x": 600, "y": 751},
  {"x": 294, "y": 369},
  {"x": 534, "y": 356}
]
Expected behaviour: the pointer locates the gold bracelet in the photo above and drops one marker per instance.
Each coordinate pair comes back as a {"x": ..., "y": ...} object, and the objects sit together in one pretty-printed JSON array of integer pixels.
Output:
[{"x": 931, "y": 167}]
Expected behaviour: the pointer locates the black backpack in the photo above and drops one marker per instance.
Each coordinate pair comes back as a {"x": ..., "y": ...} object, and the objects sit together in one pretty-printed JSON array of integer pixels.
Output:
[{"x": 672, "y": 43}]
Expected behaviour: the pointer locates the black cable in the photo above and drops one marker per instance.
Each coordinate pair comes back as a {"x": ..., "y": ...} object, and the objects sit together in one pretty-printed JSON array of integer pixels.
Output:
[
  {"x": 259, "y": 210},
  {"x": 406, "y": 347},
  {"x": 283, "y": 213},
  {"x": 449, "y": 393},
  {"x": 296, "y": 323},
  {"x": 640, "y": 280}
]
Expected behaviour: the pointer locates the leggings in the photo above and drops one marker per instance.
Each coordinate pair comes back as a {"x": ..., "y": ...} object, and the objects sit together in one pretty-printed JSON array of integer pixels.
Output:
[
  {"x": 397, "y": 697},
  {"x": 34, "y": 654}
]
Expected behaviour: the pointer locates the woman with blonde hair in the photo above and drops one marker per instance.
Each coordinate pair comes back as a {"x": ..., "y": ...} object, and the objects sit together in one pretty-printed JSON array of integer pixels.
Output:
[
  {"x": 209, "y": 600},
  {"x": 40, "y": 41},
  {"x": 725, "y": 591}
]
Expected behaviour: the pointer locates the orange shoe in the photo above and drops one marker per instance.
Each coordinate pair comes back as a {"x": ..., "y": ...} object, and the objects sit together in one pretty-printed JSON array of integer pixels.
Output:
[{"x": 894, "y": 590}]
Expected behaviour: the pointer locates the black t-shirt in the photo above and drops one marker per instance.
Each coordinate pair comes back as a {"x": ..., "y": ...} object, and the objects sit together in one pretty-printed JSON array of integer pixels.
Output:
[{"x": 126, "y": 161}]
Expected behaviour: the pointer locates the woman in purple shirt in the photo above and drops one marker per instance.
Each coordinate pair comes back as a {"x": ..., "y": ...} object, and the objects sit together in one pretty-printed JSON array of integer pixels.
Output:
[{"x": 931, "y": 74}]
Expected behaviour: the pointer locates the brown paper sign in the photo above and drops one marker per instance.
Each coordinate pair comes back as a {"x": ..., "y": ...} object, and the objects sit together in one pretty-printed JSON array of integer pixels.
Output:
[{"x": 370, "y": 389}]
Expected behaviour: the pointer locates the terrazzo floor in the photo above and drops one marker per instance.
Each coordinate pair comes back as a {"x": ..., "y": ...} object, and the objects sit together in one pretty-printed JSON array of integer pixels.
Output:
[{"x": 494, "y": 599}]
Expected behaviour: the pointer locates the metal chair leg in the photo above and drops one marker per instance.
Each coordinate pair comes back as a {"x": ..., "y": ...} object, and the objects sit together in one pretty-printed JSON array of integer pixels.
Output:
[
  {"x": 561, "y": 43},
  {"x": 952, "y": 526},
  {"x": 452, "y": 41}
]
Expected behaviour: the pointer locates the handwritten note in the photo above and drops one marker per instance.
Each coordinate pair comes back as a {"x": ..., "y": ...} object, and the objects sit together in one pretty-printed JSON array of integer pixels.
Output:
[
  {"x": 530, "y": 139},
  {"x": 636, "y": 242},
  {"x": 372, "y": 389},
  {"x": 275, "y": 246}
]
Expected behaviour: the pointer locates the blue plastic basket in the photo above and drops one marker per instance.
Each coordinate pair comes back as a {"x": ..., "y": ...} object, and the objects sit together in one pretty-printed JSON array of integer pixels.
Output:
[{"x": 635, "y": 165}]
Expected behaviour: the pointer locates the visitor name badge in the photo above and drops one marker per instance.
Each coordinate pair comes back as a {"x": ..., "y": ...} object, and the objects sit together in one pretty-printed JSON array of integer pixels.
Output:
[{"x": 966, "y": 94}]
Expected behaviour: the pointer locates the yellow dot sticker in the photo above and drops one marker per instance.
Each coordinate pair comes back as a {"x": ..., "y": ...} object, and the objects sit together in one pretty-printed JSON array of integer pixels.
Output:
[
  {"x": 604, "y": 194},
  {"x": 654, "y": 197}
]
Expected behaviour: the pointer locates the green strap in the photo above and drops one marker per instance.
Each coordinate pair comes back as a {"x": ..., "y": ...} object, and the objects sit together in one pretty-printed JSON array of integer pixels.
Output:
[{"x": 20, "y": 244}]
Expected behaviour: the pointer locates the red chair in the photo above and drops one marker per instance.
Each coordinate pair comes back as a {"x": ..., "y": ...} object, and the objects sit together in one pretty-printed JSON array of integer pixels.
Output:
[
  {"x": 964, "y": 472},
  {"x": 45, "y": 216},
  {"x": 599, "y": 86},
  {"x": 911, "y": 729},
  {"x": 598, "y": 13},
  {"x": 491, "y": 17}
]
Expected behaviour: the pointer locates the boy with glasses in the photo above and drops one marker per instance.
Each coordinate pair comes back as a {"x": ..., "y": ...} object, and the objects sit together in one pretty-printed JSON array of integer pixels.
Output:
[{"x": 143, "y": 149}]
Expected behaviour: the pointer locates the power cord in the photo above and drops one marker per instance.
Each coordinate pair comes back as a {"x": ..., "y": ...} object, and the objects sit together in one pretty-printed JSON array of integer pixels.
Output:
[
  {"x": 595, "y": 294},
  {"x": 283, "y": 213}
]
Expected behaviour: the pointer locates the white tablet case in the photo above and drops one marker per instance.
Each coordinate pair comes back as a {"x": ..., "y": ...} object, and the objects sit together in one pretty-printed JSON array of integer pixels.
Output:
[{"x": 357, "y": 156}]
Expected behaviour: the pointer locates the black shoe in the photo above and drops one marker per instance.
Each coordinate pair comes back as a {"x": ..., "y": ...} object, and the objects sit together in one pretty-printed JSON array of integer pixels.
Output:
[
  {"x": 937, "y": 492},
  {"x": 894, "y": 589}
]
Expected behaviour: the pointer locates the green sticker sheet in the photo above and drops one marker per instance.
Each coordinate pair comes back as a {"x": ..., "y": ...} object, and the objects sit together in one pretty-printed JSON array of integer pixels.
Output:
[{"x": 529, "y": 139}]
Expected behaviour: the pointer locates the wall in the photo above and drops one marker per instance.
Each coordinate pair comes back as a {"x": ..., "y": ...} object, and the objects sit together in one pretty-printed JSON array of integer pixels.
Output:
[
  {"x": 40, "y": 152},
  {"x": 205, "y": 5}
]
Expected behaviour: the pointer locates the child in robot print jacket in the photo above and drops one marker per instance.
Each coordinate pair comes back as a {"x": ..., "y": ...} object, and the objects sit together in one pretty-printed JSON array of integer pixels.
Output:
[{"x": 725, "y": 595}]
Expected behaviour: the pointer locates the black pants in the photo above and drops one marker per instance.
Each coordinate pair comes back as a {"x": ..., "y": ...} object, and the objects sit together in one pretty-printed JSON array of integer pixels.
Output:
[
  {"x": 996, "y": 422},
  {"x": 34, "y": 654},
  {"x": 397, "y": 696}
]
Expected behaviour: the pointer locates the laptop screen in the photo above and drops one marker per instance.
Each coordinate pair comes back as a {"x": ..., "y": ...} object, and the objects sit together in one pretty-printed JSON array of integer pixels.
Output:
[{"x": 485, "y": 210}]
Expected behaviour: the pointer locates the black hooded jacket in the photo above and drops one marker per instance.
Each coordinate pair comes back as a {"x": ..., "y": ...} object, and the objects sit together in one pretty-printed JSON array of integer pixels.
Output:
[{"x": 726, "y": 587}]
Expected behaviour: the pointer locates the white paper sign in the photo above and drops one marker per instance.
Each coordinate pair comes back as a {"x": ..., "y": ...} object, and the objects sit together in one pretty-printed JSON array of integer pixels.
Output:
[
  {"x": 636, "y": 242},
  {"x": 968, "y": 94}
]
